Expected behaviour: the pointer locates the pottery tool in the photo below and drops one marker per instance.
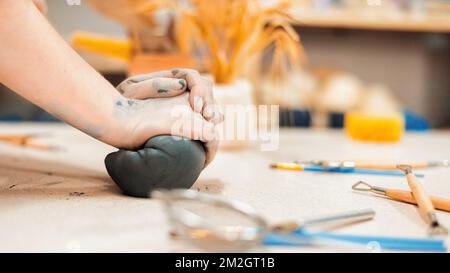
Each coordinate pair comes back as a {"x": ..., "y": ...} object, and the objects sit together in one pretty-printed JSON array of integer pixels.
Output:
[
  {"x": 349, "y": 170},
  {"x": 339, "y": 219},
  {"x": 401, "y": 195},
  {"x": 27, "y": 141},
  {"x": 424, "y": 203},
  {"x": 373, "y": 164}
]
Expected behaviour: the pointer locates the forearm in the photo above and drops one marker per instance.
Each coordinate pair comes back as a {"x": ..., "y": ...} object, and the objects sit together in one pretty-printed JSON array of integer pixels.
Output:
[{"x": 38, "y": 64}]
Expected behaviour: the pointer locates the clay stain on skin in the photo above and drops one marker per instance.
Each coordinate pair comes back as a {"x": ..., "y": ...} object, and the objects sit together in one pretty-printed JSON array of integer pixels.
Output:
[
  {"x": 163, "y": 91},
  {"x": 119, "y": 103},
  {"x": 183, "y": 84},
  {"x": 175, "y": 72},
  {"x": 131, "y": 103}
]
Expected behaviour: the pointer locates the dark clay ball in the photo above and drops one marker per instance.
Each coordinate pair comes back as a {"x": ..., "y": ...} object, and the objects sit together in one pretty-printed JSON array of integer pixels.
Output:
[{"x": 164, "y": 162}]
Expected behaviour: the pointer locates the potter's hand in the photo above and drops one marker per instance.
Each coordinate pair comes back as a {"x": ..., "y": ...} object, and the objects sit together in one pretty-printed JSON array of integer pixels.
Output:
[
  {"x": 142, "y": 87},
  {"x": 81, "y": 96},
  {"x": 144, "y": 119},
  {"x": 171, "y": 83}
]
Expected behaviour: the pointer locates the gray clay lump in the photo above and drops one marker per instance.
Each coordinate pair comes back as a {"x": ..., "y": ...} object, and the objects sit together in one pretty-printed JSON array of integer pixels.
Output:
[{"x": 164, "y": 162}]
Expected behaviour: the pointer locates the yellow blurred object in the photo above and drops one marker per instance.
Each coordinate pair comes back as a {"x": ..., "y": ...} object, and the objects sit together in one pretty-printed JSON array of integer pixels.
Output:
[
  {"x": 287, "y": 166},
  {"x": 138, "y": 63},
  {"x": 103, "y": 45},
  {"x": 377, "y": 128}
]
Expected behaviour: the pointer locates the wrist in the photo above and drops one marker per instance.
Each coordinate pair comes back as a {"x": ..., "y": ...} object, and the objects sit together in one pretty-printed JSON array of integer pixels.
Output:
[
  {"x": 124, "y": 130},
  {"x": 117, "y": 127}
]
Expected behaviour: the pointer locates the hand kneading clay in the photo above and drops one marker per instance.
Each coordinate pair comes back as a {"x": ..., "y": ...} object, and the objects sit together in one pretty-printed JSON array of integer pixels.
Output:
[{"x": 164, "y": 162}]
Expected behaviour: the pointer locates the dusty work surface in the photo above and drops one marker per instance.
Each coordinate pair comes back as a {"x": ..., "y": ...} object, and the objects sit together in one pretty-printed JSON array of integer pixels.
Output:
[{"x": 65, "y": 201}]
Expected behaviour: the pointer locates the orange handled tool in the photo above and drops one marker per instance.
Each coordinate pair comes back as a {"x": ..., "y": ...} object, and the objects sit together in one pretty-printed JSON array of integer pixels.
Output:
[
  {"x": 27, "y": 141},
  {"x": 426, "y": 207},
  {"x": 401, "y": 195}
]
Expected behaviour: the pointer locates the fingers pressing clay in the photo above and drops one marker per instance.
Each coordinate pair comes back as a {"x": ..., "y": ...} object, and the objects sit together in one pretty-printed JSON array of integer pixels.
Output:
[
  {"x": 206, "y": 132},
  {"x": 200, "y": 88},
  {"x": 201, "y": 96},
  {"x": 152, "y": 88},
  {"x": 195, "y": 127}
]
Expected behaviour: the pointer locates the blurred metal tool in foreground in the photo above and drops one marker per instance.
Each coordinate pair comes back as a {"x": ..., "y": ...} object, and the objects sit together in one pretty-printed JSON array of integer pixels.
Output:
[
  {"x": 424, "y": 203},
  {"x": 227, "y": 225},
  {"x": 401, "y": 195}
]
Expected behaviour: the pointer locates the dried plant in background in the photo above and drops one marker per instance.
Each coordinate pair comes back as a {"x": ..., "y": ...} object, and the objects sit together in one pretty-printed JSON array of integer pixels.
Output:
[
  {"x": 226, "y": 34},
  {"x": 223, "y": 35}
]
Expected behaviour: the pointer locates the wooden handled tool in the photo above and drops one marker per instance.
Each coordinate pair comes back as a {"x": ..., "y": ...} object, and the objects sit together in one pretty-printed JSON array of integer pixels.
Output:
[
  {"x": 424, "y": 203},
  {"x": 27, "y": 141},
  {"x": 407, "y": 197},
  {"x": 401, "y": 195}
]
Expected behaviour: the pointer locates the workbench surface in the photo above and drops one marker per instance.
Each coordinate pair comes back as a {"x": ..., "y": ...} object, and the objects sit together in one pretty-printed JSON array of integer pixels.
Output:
[{"x": 65, "y": 201}]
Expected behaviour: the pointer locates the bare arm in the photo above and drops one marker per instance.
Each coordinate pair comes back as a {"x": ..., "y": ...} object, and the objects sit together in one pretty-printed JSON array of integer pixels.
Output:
[{"x": 38, "y": 64}]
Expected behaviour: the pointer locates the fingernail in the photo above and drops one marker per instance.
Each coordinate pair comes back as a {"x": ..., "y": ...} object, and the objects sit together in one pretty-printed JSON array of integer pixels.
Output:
[{"x": 198, "y": 104}]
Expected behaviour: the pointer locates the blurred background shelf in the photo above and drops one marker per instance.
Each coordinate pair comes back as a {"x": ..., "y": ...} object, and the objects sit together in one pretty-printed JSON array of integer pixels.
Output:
[{"x": 338, "y": 18}]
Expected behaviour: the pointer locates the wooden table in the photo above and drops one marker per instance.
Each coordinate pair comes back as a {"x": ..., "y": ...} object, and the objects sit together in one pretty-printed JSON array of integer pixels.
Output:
[{"x": 65, "y": 201}]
